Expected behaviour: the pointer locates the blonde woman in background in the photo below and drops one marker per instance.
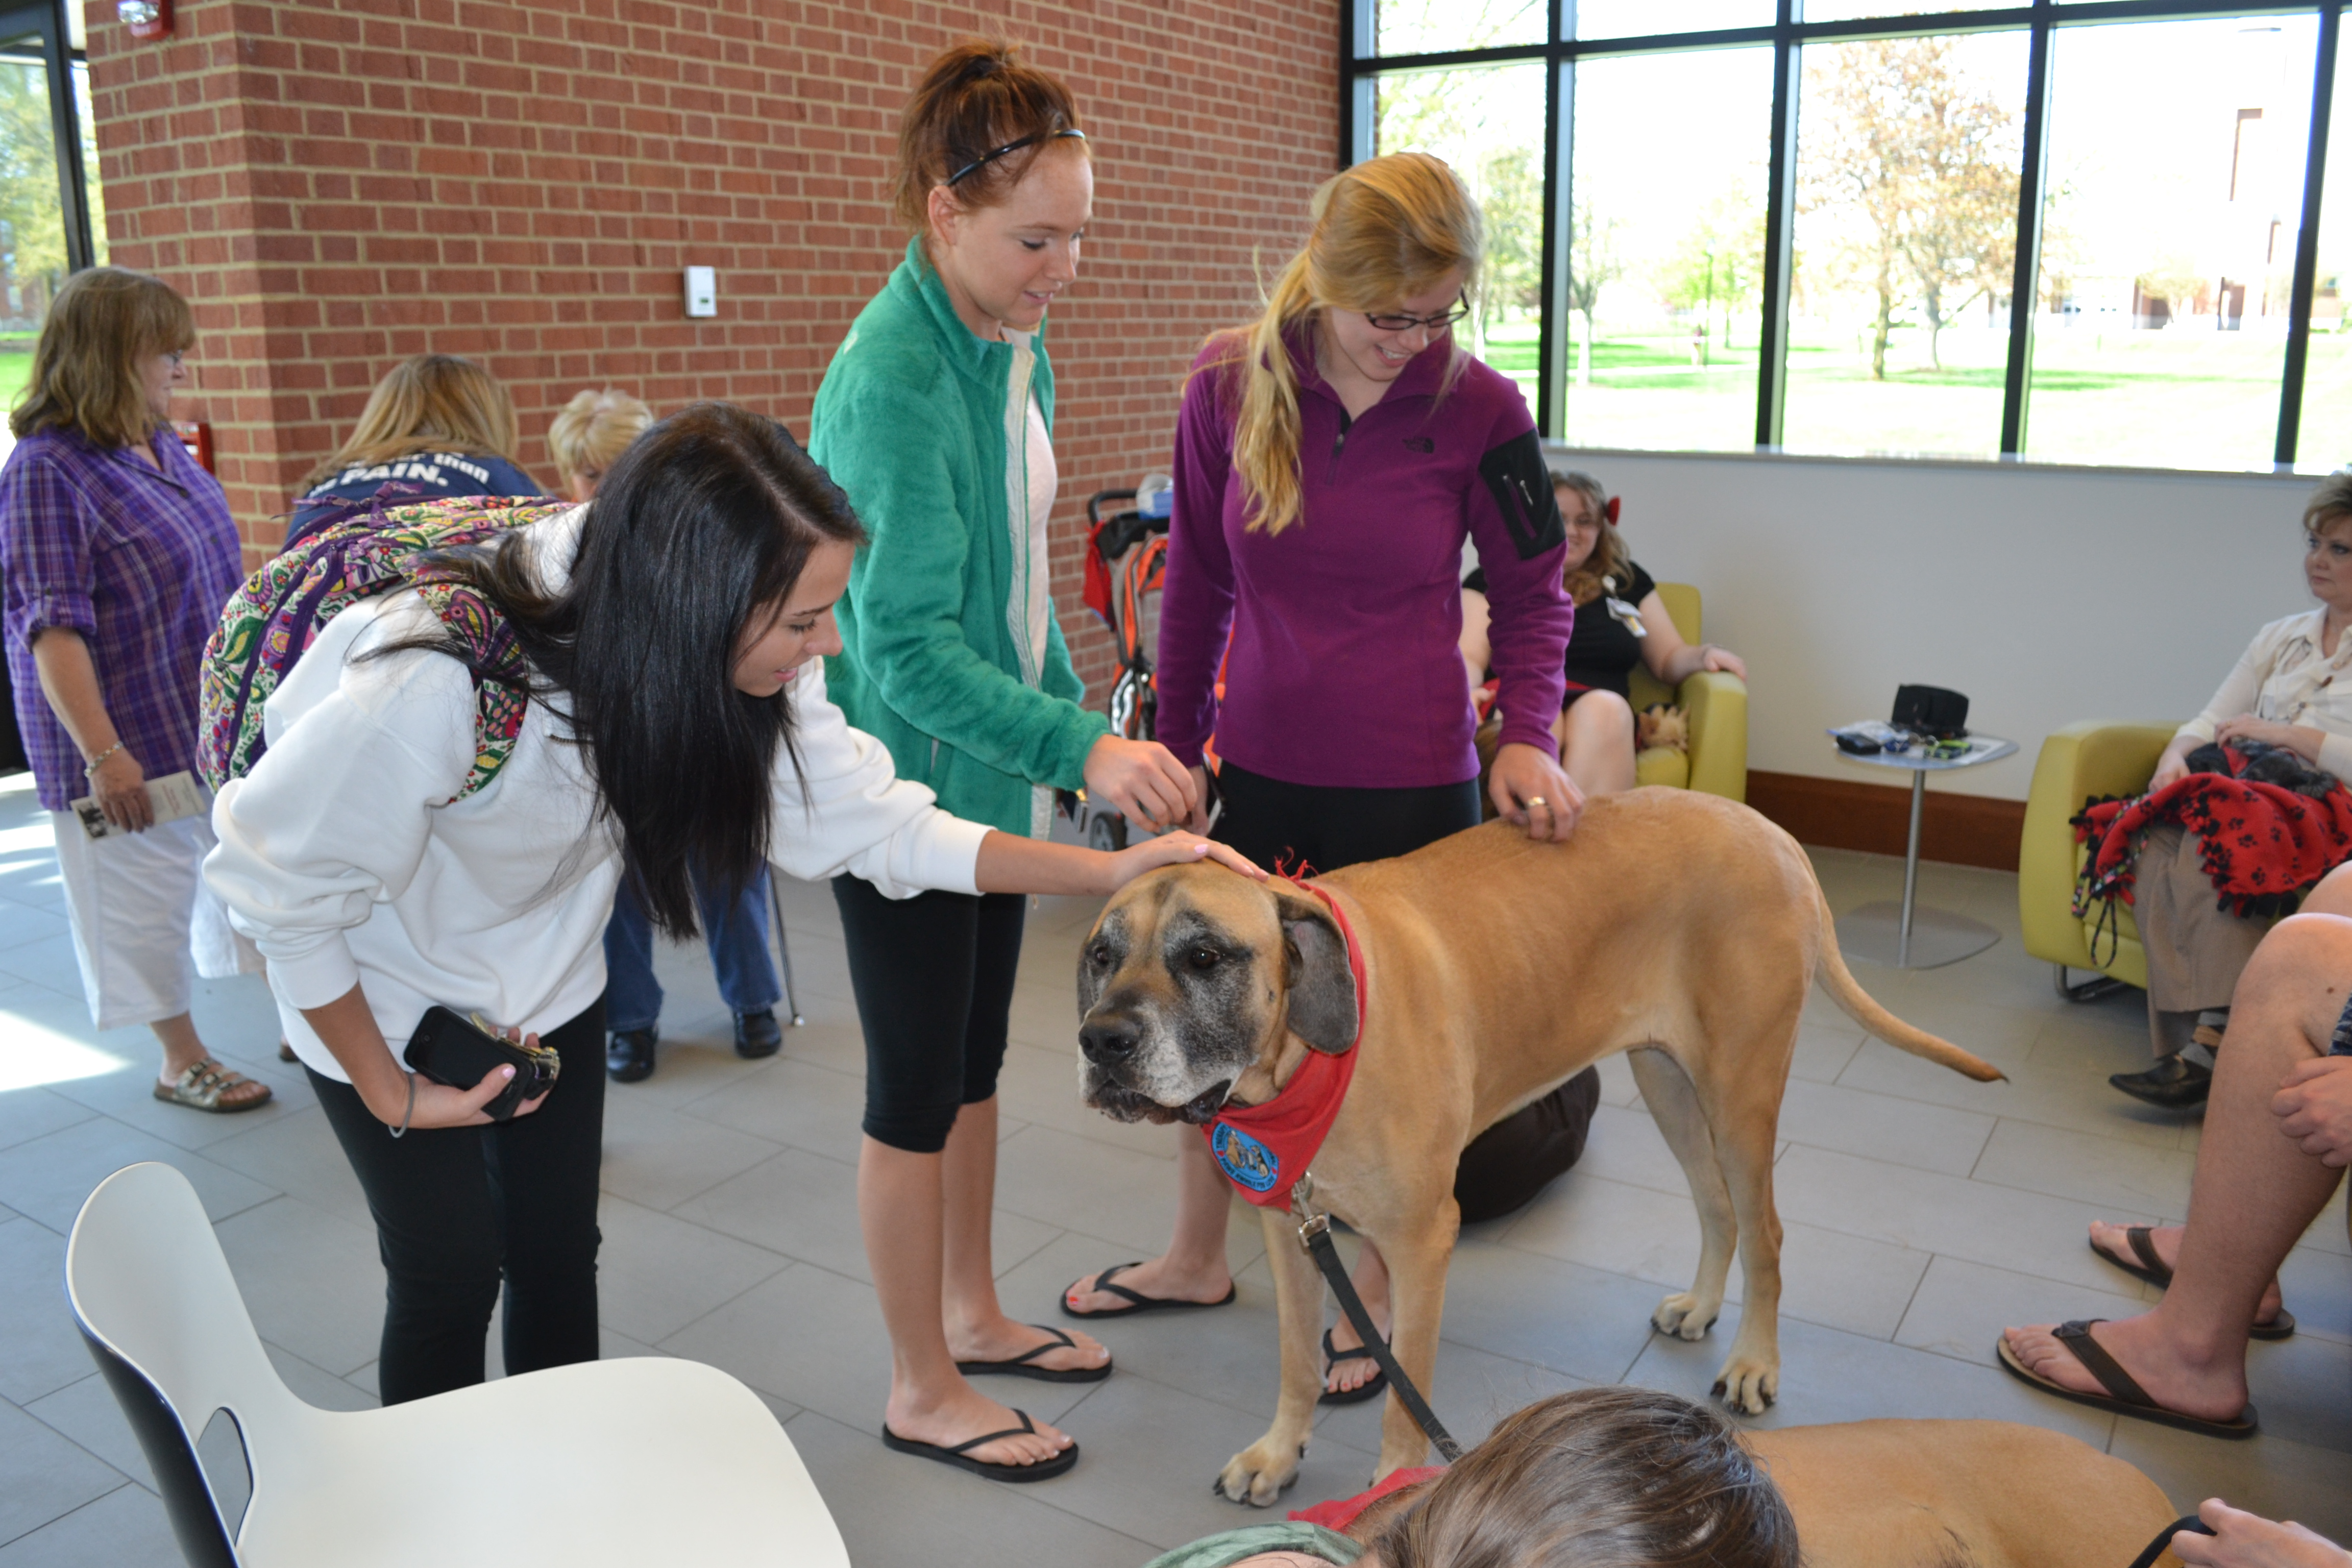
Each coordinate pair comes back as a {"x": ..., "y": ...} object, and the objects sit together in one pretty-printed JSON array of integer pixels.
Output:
[
  {"x": 435, "y": 425},
  {"x": 586, "y": 438},
  {"x": 1331, "y": 462},
  {"x": 117, "y": 552}
]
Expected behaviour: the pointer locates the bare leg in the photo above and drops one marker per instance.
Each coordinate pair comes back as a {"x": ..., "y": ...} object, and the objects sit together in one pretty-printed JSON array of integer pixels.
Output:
[
  {"x": 1370, "y": 1275},
  {"x": 977, "y": 1328},
  {"x": 2165, "y": 1239},
  {"x": 2255, "y": 1191},
  {"x": 1194, "y": 1268},
  {"x": 901, "y": 1207},
  {"x": 1596, "y": 743}
]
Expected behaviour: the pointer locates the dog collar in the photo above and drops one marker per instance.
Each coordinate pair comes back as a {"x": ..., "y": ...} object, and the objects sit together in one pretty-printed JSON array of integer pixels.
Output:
[{"x": 1265, "y": 1148}]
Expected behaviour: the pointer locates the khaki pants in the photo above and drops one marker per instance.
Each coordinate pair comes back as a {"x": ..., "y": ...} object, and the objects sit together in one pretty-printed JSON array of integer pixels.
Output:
[{"x": 2196, "y": 950}]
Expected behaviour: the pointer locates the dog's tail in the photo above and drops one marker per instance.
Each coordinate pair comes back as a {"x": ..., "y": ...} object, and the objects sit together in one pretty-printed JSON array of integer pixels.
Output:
[{"x": 1864, "y": 1010}]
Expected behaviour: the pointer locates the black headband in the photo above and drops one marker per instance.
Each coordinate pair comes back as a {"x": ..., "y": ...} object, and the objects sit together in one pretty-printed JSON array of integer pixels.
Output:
[{"x": 985, "y": 159}]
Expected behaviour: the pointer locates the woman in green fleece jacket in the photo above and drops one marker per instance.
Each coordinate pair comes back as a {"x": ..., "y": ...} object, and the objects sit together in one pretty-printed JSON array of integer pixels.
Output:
[{"x": 934, "y": 416}]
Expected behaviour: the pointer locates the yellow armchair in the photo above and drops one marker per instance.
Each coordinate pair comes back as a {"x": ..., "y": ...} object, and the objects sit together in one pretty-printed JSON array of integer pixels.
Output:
[
  {"x": 2094, "y": 758},
  {"x": 1716, "y": 762}
]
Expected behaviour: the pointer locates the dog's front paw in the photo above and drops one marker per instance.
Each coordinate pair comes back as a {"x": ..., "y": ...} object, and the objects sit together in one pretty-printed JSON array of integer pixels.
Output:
[
  {"x": 1680, "y": 1314},
  {"x": 1259, "y": 1473},
  {"x": 1747, "y": 1386}
]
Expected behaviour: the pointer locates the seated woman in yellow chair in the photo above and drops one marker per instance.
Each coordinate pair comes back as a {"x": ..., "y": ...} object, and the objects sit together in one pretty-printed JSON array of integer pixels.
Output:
[
  {"x": 1619, "y": 621},
  {"x": 2281, "y": 693}
]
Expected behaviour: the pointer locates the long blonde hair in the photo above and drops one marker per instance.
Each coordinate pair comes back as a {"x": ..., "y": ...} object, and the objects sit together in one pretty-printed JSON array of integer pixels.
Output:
[
  {"x": 433, "y": 402},
  {"x": 1384, "y": 230}
]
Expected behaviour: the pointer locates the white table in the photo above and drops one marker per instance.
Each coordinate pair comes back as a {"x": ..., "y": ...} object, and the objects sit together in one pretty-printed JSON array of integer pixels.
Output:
[{"x": 1903, "y": 936}]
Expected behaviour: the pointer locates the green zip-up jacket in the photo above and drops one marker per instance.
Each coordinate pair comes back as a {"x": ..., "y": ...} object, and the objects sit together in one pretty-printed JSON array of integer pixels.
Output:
[{"x": 912, "y": 422}]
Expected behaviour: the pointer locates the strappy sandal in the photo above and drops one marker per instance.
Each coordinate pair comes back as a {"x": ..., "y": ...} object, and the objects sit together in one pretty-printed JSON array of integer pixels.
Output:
[
  {"x": 1022, "y": 1365},
  {"x": 206, "y": 1086},
  {"x": 1139, "y": 1301},
  {"x": 2125, "y": 1396},
  {"x": 2144, "y": 1264},
  {"x": 961, "y": 1454},
  {"x": 1333, "y": 1356}
]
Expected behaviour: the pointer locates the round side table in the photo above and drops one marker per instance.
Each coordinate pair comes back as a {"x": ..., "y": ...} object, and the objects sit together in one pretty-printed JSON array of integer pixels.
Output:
[{"x": 1903, "y": 936}]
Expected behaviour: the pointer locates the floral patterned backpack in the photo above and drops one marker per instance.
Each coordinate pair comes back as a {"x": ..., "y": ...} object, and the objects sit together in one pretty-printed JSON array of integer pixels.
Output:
[{"x": 272, "y": 620}]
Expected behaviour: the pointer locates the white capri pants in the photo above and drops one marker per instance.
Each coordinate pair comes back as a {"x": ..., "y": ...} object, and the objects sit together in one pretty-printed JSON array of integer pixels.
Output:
[{"x": 144, "y": 924}]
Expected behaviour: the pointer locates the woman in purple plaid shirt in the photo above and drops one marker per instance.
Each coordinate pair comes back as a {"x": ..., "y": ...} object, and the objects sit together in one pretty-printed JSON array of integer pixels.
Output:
[{"x": 117, "y": 554}]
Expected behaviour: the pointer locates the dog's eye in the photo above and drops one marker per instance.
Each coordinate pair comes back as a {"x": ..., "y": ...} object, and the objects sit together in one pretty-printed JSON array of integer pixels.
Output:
[
  {"x": 1099, "y": 954},
  {"x": 1202, "y": 958}
]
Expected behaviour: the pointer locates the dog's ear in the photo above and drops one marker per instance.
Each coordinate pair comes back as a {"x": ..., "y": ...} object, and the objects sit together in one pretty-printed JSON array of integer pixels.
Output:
[{"x": 1322, "y": 984}]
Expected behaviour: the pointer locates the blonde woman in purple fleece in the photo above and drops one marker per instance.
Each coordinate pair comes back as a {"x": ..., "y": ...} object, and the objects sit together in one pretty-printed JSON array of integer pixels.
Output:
[{"x": 1330, "y": 460}]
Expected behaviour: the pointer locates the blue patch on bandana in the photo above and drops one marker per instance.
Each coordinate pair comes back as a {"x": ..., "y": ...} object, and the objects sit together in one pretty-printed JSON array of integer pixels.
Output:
[{"x": 1242, "y": 1157}]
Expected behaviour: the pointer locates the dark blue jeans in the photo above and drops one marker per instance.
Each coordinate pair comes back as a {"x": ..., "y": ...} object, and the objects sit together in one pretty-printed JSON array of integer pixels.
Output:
[{"x": 738, "y": 940}]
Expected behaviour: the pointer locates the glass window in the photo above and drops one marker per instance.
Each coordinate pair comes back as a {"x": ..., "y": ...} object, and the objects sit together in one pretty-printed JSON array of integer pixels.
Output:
[
  {"x": 32, "y": 226},
  {"x": 2324, "y": 438},
  {"x": 1908, "y": 153},
  {"x": 1666, "y": 252},
  {"x": 2176, "y": 179},
  {"x": 1640, "y": 18},
  {"x": 1857, "y": 10},
  {"x": 1434, "y": 26},
  {"x": 1488, "y": 122},
  {"x": 88, "y": 119}
]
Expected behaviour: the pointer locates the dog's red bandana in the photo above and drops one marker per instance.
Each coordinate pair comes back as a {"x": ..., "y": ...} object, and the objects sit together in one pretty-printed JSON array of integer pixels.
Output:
[{"x": 1265, "y": 1148}]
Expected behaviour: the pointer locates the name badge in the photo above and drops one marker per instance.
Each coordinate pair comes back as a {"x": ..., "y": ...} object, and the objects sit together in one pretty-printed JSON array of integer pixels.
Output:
[{"x": 1628, "y": 613}]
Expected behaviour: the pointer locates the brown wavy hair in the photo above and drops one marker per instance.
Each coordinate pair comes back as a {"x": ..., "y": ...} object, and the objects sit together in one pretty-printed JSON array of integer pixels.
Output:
[
  {"x": 1599, "y": 1478},
  {"x": 1384, "y": 230},
  {"x": 433, "y": 402},
  {"x": 977, "y": 97},
  {"x": 1609, "y": 558},
  {"x": 101, "y": 323}
]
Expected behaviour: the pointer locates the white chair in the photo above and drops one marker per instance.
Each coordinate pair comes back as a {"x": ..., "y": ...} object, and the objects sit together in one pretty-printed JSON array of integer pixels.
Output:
[{"x": 638, "y": 1462}]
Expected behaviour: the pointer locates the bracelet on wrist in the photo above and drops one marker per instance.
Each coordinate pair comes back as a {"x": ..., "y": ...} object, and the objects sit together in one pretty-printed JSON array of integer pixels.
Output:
[
  {"x": 89, "y": 769},
  {"x": 408, "y": 1115}
]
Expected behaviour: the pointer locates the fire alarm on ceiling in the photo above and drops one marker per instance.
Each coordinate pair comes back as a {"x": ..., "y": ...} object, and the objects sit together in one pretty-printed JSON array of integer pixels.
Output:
[{"x": 145, "y": 18}]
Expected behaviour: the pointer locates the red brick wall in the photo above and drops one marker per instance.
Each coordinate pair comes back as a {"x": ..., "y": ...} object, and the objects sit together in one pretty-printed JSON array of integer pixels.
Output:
[{"x": 339, "y": 184}]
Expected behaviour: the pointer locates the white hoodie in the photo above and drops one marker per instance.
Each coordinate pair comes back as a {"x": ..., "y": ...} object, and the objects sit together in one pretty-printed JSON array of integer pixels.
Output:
[{"x": 339, "y": 860}]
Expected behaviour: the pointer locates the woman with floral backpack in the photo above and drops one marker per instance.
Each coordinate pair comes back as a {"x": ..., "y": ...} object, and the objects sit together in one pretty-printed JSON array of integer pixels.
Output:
[{"x": 439, "y": 797}]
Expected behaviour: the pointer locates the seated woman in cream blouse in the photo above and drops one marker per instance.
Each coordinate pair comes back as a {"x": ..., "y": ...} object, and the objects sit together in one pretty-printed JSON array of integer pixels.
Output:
[{"x": 2284, "y": 692}]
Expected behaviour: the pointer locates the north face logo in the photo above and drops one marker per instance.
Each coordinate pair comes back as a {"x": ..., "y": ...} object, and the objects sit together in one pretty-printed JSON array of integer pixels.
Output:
[{"x": 1421, "y": 444}]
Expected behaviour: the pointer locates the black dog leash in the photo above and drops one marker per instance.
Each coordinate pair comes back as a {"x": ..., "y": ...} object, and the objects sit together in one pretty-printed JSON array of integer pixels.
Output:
[
  {"x": 2164, "y": 1539},
  {"x": 1315, "y": 1240}
]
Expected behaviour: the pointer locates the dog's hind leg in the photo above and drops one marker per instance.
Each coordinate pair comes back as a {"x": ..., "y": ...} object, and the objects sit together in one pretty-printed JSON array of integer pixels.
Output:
[
  {"x": 1750, "y": 1376},
  {"x": 1673, "y": 1105},
  {"x": 1258, "y": 1474}
]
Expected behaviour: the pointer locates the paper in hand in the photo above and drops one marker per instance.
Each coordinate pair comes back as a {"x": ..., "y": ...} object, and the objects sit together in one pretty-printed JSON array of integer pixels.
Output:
[{"x": 173, "y": 796}]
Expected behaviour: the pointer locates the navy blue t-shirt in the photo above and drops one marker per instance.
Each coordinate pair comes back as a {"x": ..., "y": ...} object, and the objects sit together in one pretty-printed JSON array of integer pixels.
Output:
[{"x": 431, "y": 476}]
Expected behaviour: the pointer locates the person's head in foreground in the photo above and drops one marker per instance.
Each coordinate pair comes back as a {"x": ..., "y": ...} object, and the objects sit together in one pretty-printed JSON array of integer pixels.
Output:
[
  {"x": 1601, "y": 1477},
  {"x": 590, "y": 434}
]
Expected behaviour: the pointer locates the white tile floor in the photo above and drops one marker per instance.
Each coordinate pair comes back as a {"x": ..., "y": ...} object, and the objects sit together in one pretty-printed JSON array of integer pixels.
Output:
[{"x": 1923, "y": 1212}]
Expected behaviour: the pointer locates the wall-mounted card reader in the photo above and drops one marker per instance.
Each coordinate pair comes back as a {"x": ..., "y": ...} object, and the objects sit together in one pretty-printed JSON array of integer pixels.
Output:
[{"x": 702, "y": 290}]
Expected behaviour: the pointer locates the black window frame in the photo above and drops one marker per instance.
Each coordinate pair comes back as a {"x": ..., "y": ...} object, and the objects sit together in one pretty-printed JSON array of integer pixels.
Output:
[
  {"x": 1787, "y": 35},
  {"x": 48, "y": 20}
]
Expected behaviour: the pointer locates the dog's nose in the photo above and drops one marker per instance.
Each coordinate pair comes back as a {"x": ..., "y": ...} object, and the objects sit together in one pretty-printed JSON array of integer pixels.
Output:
[{"x": 1109, "y": 1041}]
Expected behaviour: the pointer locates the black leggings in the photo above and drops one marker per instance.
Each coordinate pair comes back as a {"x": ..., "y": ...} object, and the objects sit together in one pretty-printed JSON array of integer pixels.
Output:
[
  {"x": 1277, "y": 823},
  {"x": 933, "y": 975},
  {"x": 459, "y": 1208}
]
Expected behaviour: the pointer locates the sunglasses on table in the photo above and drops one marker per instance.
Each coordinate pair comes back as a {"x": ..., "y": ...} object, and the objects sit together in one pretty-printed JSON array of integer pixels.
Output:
[{"x": 1399, "y": 322}]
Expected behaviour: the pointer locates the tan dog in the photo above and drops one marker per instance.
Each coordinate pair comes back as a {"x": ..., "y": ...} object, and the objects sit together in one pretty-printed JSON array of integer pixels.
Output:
[
  {"x": 1678, "y": 927},
  {"x": 1939, "y": 1494}
]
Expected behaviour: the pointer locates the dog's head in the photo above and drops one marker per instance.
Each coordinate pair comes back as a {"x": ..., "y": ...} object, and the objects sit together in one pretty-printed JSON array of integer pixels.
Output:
[{"x": 1193, "y": 976}]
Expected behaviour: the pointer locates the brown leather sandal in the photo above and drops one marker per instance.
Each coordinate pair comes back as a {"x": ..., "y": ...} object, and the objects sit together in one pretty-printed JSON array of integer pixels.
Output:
[{"x": 208, "y": 1086}]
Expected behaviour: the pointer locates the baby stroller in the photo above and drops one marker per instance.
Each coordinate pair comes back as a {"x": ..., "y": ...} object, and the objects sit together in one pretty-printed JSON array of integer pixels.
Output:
[{"x": 1126, "y": 566}]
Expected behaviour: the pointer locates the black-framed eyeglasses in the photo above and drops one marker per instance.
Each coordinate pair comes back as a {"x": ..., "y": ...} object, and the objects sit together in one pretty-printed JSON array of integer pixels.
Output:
[
  {"x": 985, "y": 159},
  {"x": 1404, "y": 323}
]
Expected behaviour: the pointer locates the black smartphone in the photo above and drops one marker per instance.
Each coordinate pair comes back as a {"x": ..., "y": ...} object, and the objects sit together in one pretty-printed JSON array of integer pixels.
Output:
[
  {"x": 1857, "y": 745},
  {"x": 458, "y": 1052}
]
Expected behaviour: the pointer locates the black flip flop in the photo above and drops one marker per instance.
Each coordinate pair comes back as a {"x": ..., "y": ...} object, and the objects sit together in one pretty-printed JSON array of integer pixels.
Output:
[
  {"x": 1019, "y": 1367},
  {"x": 2144, "y": 1264},
  {"x": 2125, "y": 1396},
  {"x": 1333, "y": 1356},
  {"x": 1140, "y": 1302},
  {"x": 961, "y": 1454}
]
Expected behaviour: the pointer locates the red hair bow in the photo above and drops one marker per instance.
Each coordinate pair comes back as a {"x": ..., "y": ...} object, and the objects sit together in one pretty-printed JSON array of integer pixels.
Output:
[{"x": 1610, "y": 511}]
